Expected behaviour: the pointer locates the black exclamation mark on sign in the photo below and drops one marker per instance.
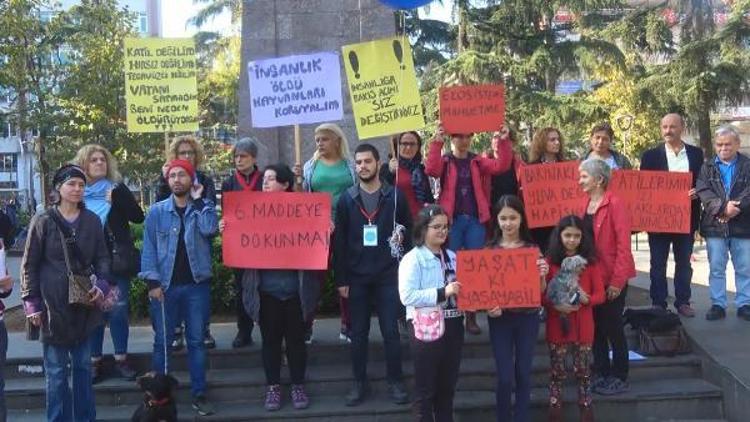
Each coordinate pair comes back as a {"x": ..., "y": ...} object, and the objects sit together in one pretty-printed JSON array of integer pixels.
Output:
[
  {"x": 354, "y": 61},
  {"x": 399, "y": 52}
]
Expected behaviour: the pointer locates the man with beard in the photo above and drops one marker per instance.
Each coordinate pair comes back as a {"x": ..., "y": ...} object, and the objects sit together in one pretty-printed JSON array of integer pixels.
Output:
[
  {"x": 176, "y": 264},
  {"x": 366, "y": 271}
]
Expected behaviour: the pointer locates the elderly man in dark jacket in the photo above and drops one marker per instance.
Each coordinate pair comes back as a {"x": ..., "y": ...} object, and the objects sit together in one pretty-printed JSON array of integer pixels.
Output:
[{"x": 724, "y": 189}]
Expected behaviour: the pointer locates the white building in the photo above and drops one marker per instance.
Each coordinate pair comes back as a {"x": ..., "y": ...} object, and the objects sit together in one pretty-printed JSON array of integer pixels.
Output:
[{"x": 19, "y": 173}]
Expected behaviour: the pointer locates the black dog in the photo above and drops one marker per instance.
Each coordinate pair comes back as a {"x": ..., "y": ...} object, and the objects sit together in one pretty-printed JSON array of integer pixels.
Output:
[{"x": 158, "y": 403}]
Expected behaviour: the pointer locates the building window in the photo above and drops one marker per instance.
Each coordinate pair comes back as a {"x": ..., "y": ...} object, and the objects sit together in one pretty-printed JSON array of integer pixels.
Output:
[
  {"x": 143, "y": 23},
  {"x": 9, "y": 185},
  {"x": 8, "y": 163}
]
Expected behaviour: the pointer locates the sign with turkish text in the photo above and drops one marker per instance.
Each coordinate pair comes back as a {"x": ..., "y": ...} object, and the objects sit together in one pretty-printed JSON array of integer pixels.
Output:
[
  {"x": 383, "y": 87},
  {"x": 550, "y": 192},
  {"x": 471, "y": 109},
  {"x": 657, "y": 201},
  {"x": 161, "y": 90},
  {"x": 508, "y": 278},
  {"x": 279, "y": 230},
  {"x": 295, "y": 90}
]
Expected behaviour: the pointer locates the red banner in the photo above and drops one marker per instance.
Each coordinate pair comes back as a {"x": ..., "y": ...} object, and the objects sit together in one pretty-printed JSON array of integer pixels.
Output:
[
  {"x": 508, "y": 278},
  {"x": 470, "y": 109},
  {"x": 657, "y": 201},
  {"x": 278, "y": 230},
  {"x": 550, "y": 192}
]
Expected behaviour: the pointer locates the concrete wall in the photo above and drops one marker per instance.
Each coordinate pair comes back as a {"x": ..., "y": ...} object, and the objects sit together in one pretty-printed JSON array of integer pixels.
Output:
[{"x": 277, "y": 28}]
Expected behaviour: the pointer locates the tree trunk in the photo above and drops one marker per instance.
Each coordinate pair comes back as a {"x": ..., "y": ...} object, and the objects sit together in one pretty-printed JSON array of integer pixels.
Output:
[{"x": 703, "y": 123}]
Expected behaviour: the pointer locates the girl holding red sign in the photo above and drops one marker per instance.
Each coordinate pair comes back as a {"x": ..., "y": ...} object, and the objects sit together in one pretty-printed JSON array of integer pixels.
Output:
[
  {"x": 570, "y": 321},
  {"x": 513, "y": 332}
]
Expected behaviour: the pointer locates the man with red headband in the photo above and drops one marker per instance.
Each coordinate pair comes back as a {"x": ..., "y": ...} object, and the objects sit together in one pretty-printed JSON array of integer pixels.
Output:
[{"x": 176, "y": 264}]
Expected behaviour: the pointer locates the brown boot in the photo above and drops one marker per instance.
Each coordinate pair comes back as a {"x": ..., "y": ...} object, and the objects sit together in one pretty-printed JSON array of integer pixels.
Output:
[
  {"x": 471, "y": 323},
  {"x": 587, "y": 413}
]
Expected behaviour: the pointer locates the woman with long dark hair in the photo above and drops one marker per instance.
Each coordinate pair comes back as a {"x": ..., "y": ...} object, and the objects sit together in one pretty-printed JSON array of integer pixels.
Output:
[{"x": 405, "y": 171}]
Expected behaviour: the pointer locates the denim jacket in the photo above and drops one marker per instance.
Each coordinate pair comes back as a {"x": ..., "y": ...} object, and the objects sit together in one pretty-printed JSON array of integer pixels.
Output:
[
  {"x": 420, "y": 276},
  {"x": 160, "y": 240}
]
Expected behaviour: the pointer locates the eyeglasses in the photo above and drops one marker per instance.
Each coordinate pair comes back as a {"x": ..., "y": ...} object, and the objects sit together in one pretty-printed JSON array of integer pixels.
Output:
[
  {"x": 186, "y": 153},
  {"x": 439, "y": 227}
]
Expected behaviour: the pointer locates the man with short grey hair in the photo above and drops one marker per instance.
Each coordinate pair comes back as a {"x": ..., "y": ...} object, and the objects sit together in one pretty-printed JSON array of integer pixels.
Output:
[
  {"x": 724, "y": 189},
  {"x": 676, "y": 156},
  {"x": 246, "y": 176}
]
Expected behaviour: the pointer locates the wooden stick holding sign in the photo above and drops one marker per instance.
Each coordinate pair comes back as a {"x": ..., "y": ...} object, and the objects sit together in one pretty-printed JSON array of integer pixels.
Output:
[
  {"x": 508, "y": 278},
  {"x": 298, "y": 152}
]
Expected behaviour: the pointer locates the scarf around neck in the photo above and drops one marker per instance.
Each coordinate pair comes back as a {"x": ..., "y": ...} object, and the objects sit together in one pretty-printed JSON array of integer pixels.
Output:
[
  {"x": 95, "y": 198},
  {"x": 419, "y": 182}
]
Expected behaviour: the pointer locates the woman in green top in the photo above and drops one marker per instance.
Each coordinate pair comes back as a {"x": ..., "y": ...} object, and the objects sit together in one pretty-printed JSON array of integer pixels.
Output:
[{"x": 329, "y": 170}]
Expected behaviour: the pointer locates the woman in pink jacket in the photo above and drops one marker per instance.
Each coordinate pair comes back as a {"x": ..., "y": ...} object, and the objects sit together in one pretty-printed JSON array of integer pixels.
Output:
[{"x": 463, "y": 195}]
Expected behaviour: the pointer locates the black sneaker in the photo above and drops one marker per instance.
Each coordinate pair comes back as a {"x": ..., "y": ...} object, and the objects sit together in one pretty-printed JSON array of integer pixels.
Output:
[
  {"x": 242, "y": 340},
  {"x": 613, "y": 387},
  {"x": 123, "y": 370},
  {"x": 203, "y": 406},
  {"x": 97, "y": 372},
  {"x": 208, "y": 341},
  {"x": 357, "y": 394},
  {"x": 716, "y": 312},
  {"x": 744, "y": 312},
  {"x": 397, "y": 392}
]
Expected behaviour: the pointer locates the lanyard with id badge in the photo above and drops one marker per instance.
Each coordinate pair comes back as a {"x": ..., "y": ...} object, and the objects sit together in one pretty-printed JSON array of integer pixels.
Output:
[{"x": 369, "y": 230}]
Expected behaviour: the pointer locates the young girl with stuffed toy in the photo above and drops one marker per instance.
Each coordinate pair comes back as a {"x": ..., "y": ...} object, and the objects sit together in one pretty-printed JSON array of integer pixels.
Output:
[{"x": 570, "y": 325}]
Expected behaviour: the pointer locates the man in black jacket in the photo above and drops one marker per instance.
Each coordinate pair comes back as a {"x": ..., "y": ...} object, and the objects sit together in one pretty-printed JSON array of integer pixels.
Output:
[
  {"x": 246, "y": 176},
  {"x": 366, "y": 270},
  {"x": 674, "y": 155},
  {"x": 724, "y": 189}
]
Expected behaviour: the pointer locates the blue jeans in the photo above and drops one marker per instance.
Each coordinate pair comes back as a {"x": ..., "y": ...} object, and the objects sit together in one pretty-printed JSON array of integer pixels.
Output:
[
  {"x": 719, "y": 249},
  {"x": 466, "y": 233},
  {"x": 61, "y": 404},
  {"x": 682, "y": 249},
  {"x": 118, "y": 323},
  {"x": 513, "y": 336},
  {"x": 387, "y": 306},
  {"x": 190, "y": 300}
]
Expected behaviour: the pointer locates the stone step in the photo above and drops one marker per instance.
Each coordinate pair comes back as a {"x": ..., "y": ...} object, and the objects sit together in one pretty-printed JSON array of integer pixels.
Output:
[
  {"x": 327, "y": 351},
  {"x": 654, "y": 400},
  {"x": 236, "y": 384}
]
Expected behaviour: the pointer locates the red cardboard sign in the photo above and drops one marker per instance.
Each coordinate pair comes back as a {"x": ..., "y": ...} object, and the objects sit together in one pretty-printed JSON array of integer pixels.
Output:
[
  {"x": 657, "y": 201},
  {"x": 470, "y": 109},
  {"x": 550, "y": 192},
  {"x": 279, "y": 230},
  {"x": 508, "y": 278}
]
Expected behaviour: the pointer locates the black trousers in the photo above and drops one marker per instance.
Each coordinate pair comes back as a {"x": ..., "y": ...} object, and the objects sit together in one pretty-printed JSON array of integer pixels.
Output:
[
  {"x": 244, "y": 322},
  {"x": 436, "y": 366},
  {"x": 609, "y": 332},
  {"x": 281, "y": 320}
]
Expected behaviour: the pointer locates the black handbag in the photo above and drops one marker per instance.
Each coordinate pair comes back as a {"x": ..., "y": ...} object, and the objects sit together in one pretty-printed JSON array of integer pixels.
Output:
[{"x": 126, "y": 260}]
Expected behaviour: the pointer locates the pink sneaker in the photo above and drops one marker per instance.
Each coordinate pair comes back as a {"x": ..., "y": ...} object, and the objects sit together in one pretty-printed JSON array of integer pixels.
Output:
[{"x": 299, "y": 397}]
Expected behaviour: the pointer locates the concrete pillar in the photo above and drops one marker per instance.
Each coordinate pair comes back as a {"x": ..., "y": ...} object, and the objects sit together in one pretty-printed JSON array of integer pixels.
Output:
[{"x": 277, "y": 28}]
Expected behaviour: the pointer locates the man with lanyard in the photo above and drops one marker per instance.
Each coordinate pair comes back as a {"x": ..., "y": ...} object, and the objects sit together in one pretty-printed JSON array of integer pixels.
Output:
[
  {"x": 674, "y": 155},
  {"x": 724, "y": 189},
  {"x": 176, "y": 264},
  {"x": 246, "y": 177},
  {"x": 366, "y": 270}
]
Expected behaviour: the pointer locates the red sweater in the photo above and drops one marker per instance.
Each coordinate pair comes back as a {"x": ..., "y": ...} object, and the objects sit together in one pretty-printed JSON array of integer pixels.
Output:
[
  {"x": 437, "y": 163},
  {"x": 582, "y": 320},
  {"x": 612, "y": 240}
]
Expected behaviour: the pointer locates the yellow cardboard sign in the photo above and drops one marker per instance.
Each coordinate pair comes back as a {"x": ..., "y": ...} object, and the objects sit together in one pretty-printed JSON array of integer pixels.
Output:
[
  {"x": 161, "y": 89},
  {"x": 383, "y": 87}
]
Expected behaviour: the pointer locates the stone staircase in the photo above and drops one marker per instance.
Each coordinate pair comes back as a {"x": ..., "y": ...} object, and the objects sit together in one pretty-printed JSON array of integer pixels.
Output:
[{"x": 662, "y": 389}]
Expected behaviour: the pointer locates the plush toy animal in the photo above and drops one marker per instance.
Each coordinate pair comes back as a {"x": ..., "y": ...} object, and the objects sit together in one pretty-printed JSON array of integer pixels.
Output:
[{"x": 563, "y": 289}]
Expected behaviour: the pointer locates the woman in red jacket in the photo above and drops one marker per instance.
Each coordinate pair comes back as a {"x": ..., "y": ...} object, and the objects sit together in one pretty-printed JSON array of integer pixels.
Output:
[
  {"x": 570, "y": 327},
  {"x": 606, "y": 214},
  {"x": 463, "y": 194}
]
